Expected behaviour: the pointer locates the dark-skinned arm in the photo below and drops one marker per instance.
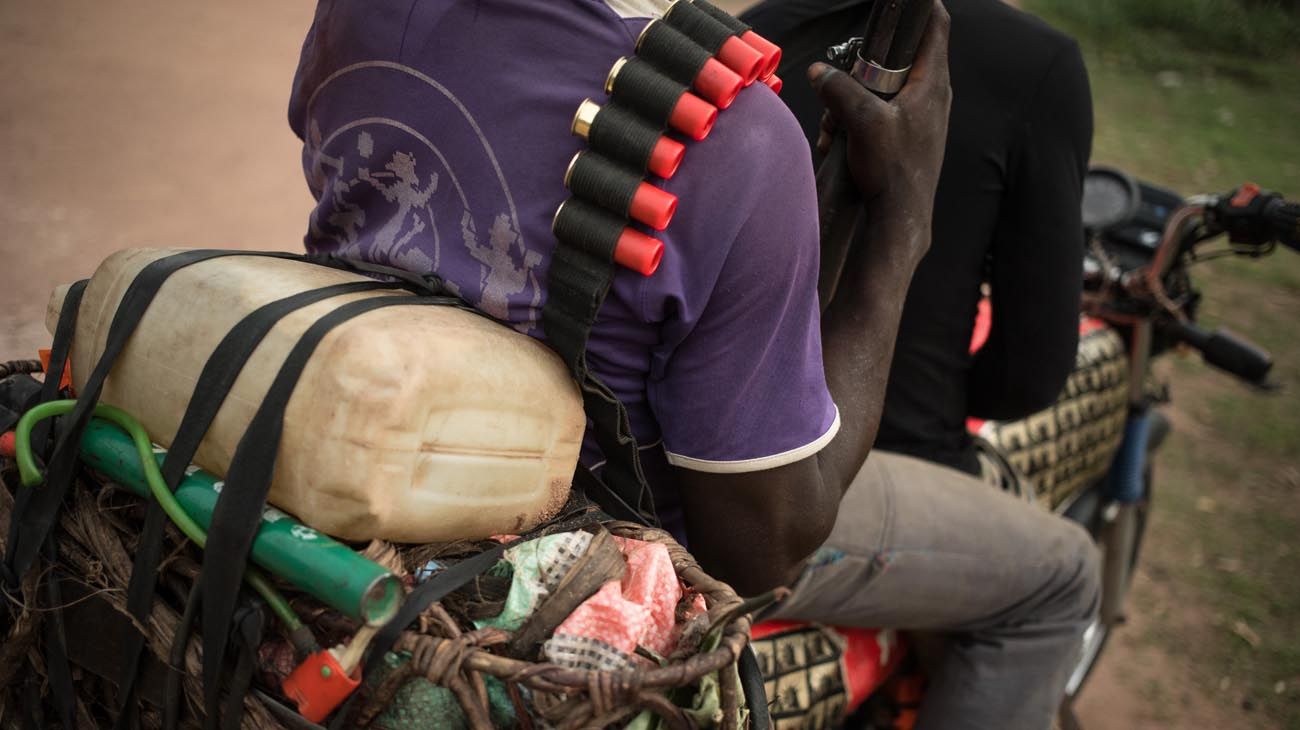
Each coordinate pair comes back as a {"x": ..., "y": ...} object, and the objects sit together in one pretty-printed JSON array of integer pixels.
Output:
[{"x": 755, "y": 529}]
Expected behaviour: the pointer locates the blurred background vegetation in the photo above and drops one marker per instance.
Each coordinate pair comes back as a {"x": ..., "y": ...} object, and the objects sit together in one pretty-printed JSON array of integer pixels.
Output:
[{"x": 1199, "y": 96}]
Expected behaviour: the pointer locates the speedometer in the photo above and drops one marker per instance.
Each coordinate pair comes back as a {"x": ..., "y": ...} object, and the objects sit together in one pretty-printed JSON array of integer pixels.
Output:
[{"x": 1109, "y": 198}]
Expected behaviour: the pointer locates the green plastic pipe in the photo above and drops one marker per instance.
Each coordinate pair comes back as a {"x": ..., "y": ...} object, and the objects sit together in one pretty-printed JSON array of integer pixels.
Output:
[
  {"x": 32, "y": 477},
  {"x": 310, "y": 560}
]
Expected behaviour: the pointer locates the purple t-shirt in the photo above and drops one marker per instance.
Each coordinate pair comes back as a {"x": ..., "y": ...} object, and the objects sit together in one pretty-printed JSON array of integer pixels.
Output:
[{"x": 436, "y": 135}]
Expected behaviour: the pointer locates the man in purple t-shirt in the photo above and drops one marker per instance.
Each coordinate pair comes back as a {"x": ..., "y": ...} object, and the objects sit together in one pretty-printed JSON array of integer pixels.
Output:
[{"x": 436, "y": 135}]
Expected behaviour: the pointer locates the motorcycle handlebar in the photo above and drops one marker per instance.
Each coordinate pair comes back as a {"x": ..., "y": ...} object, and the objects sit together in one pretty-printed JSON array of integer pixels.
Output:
[
  {"x": 1227, "y": 351},
  {"x": 1255, "y": 218},
  {"x": 1284, "y": 218}
]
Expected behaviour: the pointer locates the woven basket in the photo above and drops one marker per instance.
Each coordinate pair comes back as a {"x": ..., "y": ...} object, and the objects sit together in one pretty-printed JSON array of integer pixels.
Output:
[
  {"x": 99, "y": 529},
  {"x": 571, "y": 698}
]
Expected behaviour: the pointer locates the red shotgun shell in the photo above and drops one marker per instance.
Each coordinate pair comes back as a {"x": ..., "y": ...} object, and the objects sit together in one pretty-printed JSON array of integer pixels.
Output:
[
  {"x": 638, "y": 252},
  {"x": 771, "y": 52},
  {"x": 742, "y": 58},
  {"x": 693, "y": 116},
  {"x": 718, "y": 84},
  {"x": 690, "y": 115},
  {"x": 774, "y": 82},
  {"x": 652, "y": 206},
  {"x": 666, "y": 157}
]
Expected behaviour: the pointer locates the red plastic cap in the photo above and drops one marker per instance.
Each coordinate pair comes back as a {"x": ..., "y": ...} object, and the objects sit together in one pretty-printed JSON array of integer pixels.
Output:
[
  {"x": 693, "y": 116},
  {"x": 652, "y": 206},
  {"x": 638, "y": 252},
  {"x": 742, "y": 58},
  {"x": 718, "y": 84},
  {"x": 319, "y": 685},
  {"x": 774, "y": 82},
  {"x": 771, "y": 52},
  {"x": 8, "y": 445},
  {"x": 666, "y": 157}
]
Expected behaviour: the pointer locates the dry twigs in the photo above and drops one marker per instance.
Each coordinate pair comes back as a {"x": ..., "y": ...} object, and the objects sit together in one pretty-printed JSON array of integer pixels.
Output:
[{"x": 98, "y": 532}]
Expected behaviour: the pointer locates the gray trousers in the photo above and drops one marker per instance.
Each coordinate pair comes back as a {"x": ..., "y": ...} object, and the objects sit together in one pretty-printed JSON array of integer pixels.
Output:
[{"x": 918, "y": 546}]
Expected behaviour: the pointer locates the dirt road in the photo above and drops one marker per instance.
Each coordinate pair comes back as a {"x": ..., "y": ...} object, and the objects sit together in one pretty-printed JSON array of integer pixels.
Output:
[{"x": 140, "y": 123}]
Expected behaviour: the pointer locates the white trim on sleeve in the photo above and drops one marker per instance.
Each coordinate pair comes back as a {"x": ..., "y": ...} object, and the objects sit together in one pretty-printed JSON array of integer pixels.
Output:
[{"x": 761, "y": 462}]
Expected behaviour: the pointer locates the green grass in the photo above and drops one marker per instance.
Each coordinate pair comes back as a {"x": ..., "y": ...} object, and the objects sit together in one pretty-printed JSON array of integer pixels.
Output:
[
  {"x": 1226, "y": 33},
  {"x": 1207, "y": 101}
]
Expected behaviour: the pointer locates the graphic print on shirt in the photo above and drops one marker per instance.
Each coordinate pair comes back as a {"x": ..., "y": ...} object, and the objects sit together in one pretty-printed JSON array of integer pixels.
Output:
[{"x": 386, "y": 193}]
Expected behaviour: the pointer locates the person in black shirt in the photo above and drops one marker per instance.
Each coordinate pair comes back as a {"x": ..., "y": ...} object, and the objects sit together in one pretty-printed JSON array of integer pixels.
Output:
[
  {"x": 1006, "y": 212},
  {"x": 920, "y": 541}
]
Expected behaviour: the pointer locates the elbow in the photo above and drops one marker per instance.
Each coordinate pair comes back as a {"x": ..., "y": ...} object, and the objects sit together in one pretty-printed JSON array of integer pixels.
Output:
[
  {"x": 782, "y": 564},
  {"x": 755, "y": 530},
  {"x": 790, "y": 537}
]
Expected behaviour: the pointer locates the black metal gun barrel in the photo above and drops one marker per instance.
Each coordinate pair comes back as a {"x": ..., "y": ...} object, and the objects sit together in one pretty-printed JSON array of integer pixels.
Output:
[{"x": 889, "y": 44}]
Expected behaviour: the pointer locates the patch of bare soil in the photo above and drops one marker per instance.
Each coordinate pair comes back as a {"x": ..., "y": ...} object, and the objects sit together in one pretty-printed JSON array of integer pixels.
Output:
[
  {"x": 141, "y": 123},
  {"x": 1139, "y": 685},
  {"x": 1162, "y": 669}
]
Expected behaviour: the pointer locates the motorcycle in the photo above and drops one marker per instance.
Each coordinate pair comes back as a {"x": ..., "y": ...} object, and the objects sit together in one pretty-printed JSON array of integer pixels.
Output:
[{"x": 1088, "y": 457}]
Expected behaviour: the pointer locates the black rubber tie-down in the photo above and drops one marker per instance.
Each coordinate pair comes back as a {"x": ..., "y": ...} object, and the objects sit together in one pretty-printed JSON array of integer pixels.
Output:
[
  {"x": 61, "y": 348},
  {"x": 238, "y": 510},
  {"x": 217, "y": 377},
  {"x": 37, "y": 518},
  {"x": 37, "y": 509}
]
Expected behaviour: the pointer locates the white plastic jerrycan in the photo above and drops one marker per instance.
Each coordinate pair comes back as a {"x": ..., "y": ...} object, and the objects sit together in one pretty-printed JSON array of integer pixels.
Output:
[{"x": 409, "y": 423}]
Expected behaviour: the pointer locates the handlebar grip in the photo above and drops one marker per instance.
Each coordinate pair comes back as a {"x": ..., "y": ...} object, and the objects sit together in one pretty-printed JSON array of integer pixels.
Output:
[
  {"x": 1284, "y": 218},
  {"x": 1228, "y": 352}
]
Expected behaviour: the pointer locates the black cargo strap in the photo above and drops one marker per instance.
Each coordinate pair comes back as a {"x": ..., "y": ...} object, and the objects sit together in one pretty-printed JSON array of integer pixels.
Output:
[
  {"x": 577, "y": 283},
  {"x": 430, "y": 284},
  {"x": 238, "y": 510},
  {"x": 213, "y": 385},
  {"x": 61, "y": 347},
  {"x": 56, "y": 654},
  {"x": 36, "y": 509},
  {"x": 176, "y": 661},
  {"x": 56, "y": 644},
  {"x": 60, "y": 352},
  {"x": 248, "y": 625},
  {"x": 34, "y": 516}
]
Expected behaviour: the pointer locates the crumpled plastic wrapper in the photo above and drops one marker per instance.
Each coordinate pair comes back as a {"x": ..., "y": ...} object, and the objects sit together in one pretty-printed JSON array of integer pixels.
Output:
[
  {"x": 638, "y": 611},
  {"x": 539, "y": 566}
]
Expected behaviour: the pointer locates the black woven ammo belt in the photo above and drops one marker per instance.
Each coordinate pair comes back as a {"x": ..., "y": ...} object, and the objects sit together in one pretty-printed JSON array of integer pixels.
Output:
[{"x": 688, "y": 65}]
